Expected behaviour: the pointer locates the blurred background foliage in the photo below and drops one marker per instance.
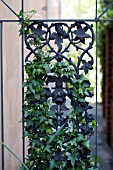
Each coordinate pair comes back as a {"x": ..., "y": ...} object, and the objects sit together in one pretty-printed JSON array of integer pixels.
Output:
[
  {"x": 103, "y": 26},
  {"x": 81, "y": 10}
]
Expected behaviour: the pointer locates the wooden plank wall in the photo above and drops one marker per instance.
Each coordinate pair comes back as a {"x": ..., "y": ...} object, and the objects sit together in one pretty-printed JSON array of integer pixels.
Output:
[{"x": 12, "y": 74}]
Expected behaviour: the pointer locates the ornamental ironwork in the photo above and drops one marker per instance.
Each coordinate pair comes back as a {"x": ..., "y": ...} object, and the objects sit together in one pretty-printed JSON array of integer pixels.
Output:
[
  {"x": 71, "y": 86},
  {"x": 76, "y": 33}
]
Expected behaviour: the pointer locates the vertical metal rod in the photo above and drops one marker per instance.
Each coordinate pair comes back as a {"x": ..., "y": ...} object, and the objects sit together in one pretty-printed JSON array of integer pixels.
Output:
[
  {"x": 96, "y": 94},
  {"x": 96, "y": 10},
  {"x": 1, "y": 92},
  {"x": 22, "y": 41},
  {"x": 96, "y": 86}
]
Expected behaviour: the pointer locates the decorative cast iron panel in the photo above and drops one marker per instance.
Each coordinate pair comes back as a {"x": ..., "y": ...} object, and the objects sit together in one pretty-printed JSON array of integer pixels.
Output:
[
  {"x": 58, "y": 38},
  {"x": 56, "y": 33}
]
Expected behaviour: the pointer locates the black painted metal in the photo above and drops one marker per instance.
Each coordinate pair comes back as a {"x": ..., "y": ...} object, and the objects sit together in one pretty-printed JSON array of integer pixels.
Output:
[
  {"x": 96, "y": 114},
  {"x": 62, "y": 20},
  {"x": 1, "y": 95},
  {"x": 75, "y": 34},
  {"x": 22, "y": 47}
]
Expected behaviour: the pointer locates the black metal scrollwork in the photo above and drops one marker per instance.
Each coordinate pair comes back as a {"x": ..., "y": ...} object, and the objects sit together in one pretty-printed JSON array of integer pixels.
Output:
[
  {"x": 56, "y": 33},
  {"x": 81, "y": 36}
]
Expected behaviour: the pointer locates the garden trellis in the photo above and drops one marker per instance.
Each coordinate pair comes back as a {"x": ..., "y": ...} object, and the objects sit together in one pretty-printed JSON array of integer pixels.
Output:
[{"x": 81, "y": 26}]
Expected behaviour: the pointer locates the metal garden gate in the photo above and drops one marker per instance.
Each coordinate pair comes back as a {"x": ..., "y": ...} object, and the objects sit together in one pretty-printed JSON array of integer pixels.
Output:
[{"x": 58, "y": 36}]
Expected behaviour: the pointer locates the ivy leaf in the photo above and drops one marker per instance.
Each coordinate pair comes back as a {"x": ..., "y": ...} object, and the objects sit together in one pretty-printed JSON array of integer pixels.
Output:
[
  {"x": 47, "y": 148},
  {"x": 20, "y": 13},
  {"x": 24, "y": 84},
  {"x": 99, "y": 160},
  {"x": 60, "y": 143},
  {"x": 86, "y": 84},
  {"x": 56, "y": 134},
  {"x": 87, "y": 144},
  {"x": 31, "y": 88},
  {"x": 52, "y": 164},
  {"x": 93, "y": 123},
  {"x": 72, "y": 158},
  {"x": 80, "y": 138},
  {"x": 81, "y": 99}
]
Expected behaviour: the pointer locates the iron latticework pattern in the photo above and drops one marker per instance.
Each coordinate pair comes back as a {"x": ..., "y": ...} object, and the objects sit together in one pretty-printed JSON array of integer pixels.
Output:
[{"x": 71, "y": 124}]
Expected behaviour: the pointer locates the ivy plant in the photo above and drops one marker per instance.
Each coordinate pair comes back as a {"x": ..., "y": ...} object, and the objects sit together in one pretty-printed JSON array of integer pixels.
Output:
[{"x": 67, "y": 147}]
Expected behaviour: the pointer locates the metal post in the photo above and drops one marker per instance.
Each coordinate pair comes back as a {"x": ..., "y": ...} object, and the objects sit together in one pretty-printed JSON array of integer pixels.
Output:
[
  {"x": 1, "y": 97},
  {"x": 96, "y": 85},
  {"x": 22, "y": 41}
]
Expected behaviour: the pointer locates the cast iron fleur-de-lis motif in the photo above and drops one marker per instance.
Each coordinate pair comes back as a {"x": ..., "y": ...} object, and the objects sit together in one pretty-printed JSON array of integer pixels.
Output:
[{"x": 75, "y": 34}]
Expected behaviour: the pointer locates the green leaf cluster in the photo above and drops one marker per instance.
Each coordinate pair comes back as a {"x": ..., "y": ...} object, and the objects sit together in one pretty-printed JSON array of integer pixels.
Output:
[
  {"x": 25, "y": 19},
  {"x": 44, "y": 139}
]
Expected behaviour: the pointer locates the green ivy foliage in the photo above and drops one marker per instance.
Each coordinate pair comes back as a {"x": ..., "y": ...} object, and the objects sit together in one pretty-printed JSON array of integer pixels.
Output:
[{"x": 39, "y": 118}]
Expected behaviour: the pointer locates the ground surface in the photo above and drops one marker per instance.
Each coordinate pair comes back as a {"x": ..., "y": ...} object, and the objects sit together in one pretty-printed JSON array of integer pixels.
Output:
[{"x": 102, "y": 147}]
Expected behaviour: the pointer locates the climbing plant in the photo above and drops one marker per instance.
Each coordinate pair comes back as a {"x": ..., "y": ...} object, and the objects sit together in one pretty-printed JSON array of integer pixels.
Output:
[{"x": 58, "y": 133}]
